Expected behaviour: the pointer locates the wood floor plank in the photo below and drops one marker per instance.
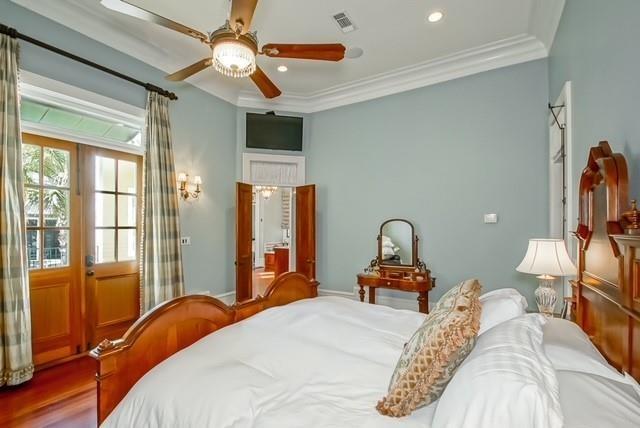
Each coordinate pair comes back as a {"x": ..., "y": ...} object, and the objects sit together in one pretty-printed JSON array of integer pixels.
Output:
[{"x": 61, "y": 396}]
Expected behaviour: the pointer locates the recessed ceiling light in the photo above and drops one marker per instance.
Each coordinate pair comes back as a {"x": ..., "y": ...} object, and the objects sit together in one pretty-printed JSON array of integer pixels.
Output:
[
  {"x": 354, "y": 53},
  {"x": 282, "y": 68},
  {"x": 435, "y": 16}
]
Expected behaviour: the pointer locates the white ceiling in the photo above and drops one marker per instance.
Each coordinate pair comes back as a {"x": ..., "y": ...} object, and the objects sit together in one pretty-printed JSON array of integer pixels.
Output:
[{"x": 401, "y": 49}]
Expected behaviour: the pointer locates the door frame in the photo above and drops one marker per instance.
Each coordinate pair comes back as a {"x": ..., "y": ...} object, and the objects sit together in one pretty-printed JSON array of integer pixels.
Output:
[{"x": 565, "y": 98}]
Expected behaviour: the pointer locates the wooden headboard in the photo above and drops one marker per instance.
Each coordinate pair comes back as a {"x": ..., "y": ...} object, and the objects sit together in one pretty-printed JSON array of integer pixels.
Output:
[{"x": 606, "y": 293}]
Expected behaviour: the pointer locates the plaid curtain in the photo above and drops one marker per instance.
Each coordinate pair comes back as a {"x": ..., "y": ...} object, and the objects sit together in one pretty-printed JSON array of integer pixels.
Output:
[
  {"x": 16, "y": 364},
  {"x": 161, "y": 268}
]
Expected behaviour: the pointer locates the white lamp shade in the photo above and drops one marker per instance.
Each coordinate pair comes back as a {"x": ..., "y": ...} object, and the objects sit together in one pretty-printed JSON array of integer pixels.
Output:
[
  {"x": 182, "y": 176},
  {"x": 547, "y": 257},
  {"x": 197, "y": 180}
]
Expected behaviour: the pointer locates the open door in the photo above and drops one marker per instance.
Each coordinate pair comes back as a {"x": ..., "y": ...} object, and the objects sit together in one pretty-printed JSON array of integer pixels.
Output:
[
  {"x": 306, "y": 230},
  {"x": 244, "y": 243}
]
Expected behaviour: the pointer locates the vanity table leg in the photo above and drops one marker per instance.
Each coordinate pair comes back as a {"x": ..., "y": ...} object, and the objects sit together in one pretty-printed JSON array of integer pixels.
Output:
[
  {"x": 361, "y": 293},
  {"x": 423, "y": 302},
  {"x": 372, "y": 295}
]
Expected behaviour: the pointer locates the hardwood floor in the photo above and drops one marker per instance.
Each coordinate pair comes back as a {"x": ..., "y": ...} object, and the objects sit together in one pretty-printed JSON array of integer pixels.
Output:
[
  {"x": 261, "y": 281},
  {"x": 61, "y": 396}
]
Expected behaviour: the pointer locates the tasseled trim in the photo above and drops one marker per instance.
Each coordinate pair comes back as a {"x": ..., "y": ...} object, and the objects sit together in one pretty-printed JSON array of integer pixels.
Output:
[{"x": 16, "y": 377}]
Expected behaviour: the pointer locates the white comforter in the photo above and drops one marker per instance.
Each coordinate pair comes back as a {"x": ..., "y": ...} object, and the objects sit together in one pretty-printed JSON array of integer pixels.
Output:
[{"x": 321, "y": 362}]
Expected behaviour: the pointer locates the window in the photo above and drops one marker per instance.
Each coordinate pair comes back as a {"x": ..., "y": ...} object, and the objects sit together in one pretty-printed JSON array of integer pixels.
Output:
[
  {"x": 115, "y": 205},
  {"x": 47, "y": 190}
]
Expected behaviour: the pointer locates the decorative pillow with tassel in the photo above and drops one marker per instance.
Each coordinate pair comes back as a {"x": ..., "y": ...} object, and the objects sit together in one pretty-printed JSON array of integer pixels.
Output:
[{"x": 434, "y": 352}]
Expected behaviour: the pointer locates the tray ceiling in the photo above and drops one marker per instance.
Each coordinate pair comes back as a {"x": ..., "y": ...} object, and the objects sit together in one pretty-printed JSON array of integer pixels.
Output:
[{"x": 402, "y": 50}]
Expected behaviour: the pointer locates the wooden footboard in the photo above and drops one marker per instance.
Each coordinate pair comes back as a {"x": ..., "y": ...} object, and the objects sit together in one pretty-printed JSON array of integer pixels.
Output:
[{"x": 174, "y": 325}]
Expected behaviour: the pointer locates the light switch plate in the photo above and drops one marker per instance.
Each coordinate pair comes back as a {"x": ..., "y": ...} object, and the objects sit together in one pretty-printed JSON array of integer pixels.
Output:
[
  {"x": 185, "y": 240},
  {"x": 491, "y": 218}
]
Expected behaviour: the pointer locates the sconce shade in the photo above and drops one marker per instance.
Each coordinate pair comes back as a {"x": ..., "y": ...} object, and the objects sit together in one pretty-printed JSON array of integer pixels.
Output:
[
  {"x": 182, "y": 176},
  {"x": 547, "y": 257},
  {"x": 197, "y": 180}
]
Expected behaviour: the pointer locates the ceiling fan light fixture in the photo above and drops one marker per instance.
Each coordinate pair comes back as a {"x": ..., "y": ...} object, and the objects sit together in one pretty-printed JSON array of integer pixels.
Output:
[{"x": 234, "y": 58}]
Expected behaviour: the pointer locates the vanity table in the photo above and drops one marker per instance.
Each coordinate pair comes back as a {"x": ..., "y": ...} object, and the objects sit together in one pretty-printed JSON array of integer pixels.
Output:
[{"x": 397, "y": 265}]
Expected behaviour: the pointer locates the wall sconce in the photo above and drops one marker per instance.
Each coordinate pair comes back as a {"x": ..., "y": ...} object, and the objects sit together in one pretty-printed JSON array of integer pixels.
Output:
[
  {"x": 266, "y": 191},
  {"x": 183, "y": 182}
]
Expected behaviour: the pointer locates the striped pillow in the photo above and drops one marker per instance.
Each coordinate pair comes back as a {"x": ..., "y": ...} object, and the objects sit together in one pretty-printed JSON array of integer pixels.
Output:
[{"x": 434, "y": 352}]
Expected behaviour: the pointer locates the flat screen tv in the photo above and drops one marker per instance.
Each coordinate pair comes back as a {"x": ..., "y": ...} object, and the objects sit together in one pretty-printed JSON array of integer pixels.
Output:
[{"x": 268, "y": 131}]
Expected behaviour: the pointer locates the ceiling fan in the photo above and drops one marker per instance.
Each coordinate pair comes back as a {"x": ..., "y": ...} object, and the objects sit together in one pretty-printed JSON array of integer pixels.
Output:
[{"x": 234, "y": 48}]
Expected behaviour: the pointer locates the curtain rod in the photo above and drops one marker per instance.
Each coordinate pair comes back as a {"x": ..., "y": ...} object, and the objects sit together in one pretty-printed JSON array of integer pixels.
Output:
[{"x": 12, "y": 32}]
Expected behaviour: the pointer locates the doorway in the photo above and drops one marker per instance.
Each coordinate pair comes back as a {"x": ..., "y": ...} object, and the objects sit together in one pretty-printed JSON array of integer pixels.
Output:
[
  {"x": 275, "y": 232},
  {"x": 273, "y": 249},
  {"x": 82, "y": 219}
]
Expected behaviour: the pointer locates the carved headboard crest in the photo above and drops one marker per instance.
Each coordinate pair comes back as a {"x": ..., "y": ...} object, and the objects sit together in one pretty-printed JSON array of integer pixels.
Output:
[{"x": 603, "y": 165}]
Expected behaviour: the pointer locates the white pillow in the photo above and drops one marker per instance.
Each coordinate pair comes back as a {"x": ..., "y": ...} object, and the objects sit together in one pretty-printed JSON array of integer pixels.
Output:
[
  {"x": 506, "y": 381},
  {"x": 499, "y": 306},
  {"x": 569, "y": 348},
  {"x": 590, "y": 401}
]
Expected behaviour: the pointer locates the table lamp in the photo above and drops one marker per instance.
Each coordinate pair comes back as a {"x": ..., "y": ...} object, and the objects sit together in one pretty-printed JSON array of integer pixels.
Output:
[{"x": 547, "y": 258}]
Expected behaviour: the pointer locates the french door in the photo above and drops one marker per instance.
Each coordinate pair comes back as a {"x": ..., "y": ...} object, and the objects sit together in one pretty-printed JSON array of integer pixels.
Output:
[
  {"x": 305, "y": 236},
  {"x": 112, "y": 183},
  {"x": 53, "y": 212},
  {"x": 82, "y": 218}
]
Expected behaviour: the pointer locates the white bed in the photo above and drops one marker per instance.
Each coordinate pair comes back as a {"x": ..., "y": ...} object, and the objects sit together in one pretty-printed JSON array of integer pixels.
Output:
[{"x": 321, "y": 362}]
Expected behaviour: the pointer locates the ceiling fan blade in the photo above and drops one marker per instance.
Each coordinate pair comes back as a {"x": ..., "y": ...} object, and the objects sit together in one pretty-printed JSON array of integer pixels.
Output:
[
  {"x": 242, "y": 13},
  {"x": 266, "y": 86},
  {"x": 323, "y": 52},
  {"x": 127, "y": 8},
  {"x": 190, "y": 71}
]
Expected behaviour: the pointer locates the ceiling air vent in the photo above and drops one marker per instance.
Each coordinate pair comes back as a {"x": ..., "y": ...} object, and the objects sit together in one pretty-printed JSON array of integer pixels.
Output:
[{"x": 344, "y": 22}]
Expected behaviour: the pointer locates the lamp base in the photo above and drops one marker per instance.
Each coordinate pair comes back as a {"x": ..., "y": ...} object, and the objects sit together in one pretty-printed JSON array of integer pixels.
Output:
[{"x": 546, "y": 295}]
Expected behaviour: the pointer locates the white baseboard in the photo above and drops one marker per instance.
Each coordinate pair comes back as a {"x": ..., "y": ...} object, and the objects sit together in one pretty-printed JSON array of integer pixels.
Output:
[{"x": 228, "y": 298}]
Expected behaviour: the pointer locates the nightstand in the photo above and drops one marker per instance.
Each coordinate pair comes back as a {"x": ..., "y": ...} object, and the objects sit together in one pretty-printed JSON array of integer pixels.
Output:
[{"x": 534, "y": 311}]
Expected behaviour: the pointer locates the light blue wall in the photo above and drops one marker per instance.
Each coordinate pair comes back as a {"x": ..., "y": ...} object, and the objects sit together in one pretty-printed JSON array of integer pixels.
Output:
[
  {"x": 204, "y": 130},
  {"x": 440, "y": 156},
  {"x": 596, "y": 48}
]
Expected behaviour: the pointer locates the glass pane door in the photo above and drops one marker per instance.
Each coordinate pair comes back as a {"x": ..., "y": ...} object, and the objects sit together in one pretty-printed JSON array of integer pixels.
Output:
[
  {"x": 53, "y": 219},
  {"x": 111, "y": 194}
]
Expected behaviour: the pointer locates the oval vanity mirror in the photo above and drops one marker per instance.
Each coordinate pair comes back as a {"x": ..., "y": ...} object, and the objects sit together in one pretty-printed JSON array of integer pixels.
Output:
[{"x": 397, "y": 244}]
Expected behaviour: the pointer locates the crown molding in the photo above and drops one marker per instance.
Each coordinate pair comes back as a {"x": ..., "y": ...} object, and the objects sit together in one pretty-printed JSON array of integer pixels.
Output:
[
  {"x": 544, "y": 20},
  {"x": 535, "y": 44},
  {"x": 495, "y": 55}
]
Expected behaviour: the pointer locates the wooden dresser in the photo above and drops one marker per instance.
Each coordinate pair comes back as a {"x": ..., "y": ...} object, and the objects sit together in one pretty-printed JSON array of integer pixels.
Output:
[
  {"x": 420, "y": 283},
  {"x": 397, "y": 265}
]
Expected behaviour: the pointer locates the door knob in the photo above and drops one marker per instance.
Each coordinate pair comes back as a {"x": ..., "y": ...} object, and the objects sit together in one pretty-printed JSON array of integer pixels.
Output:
[{"x": 90, "y": 273}]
